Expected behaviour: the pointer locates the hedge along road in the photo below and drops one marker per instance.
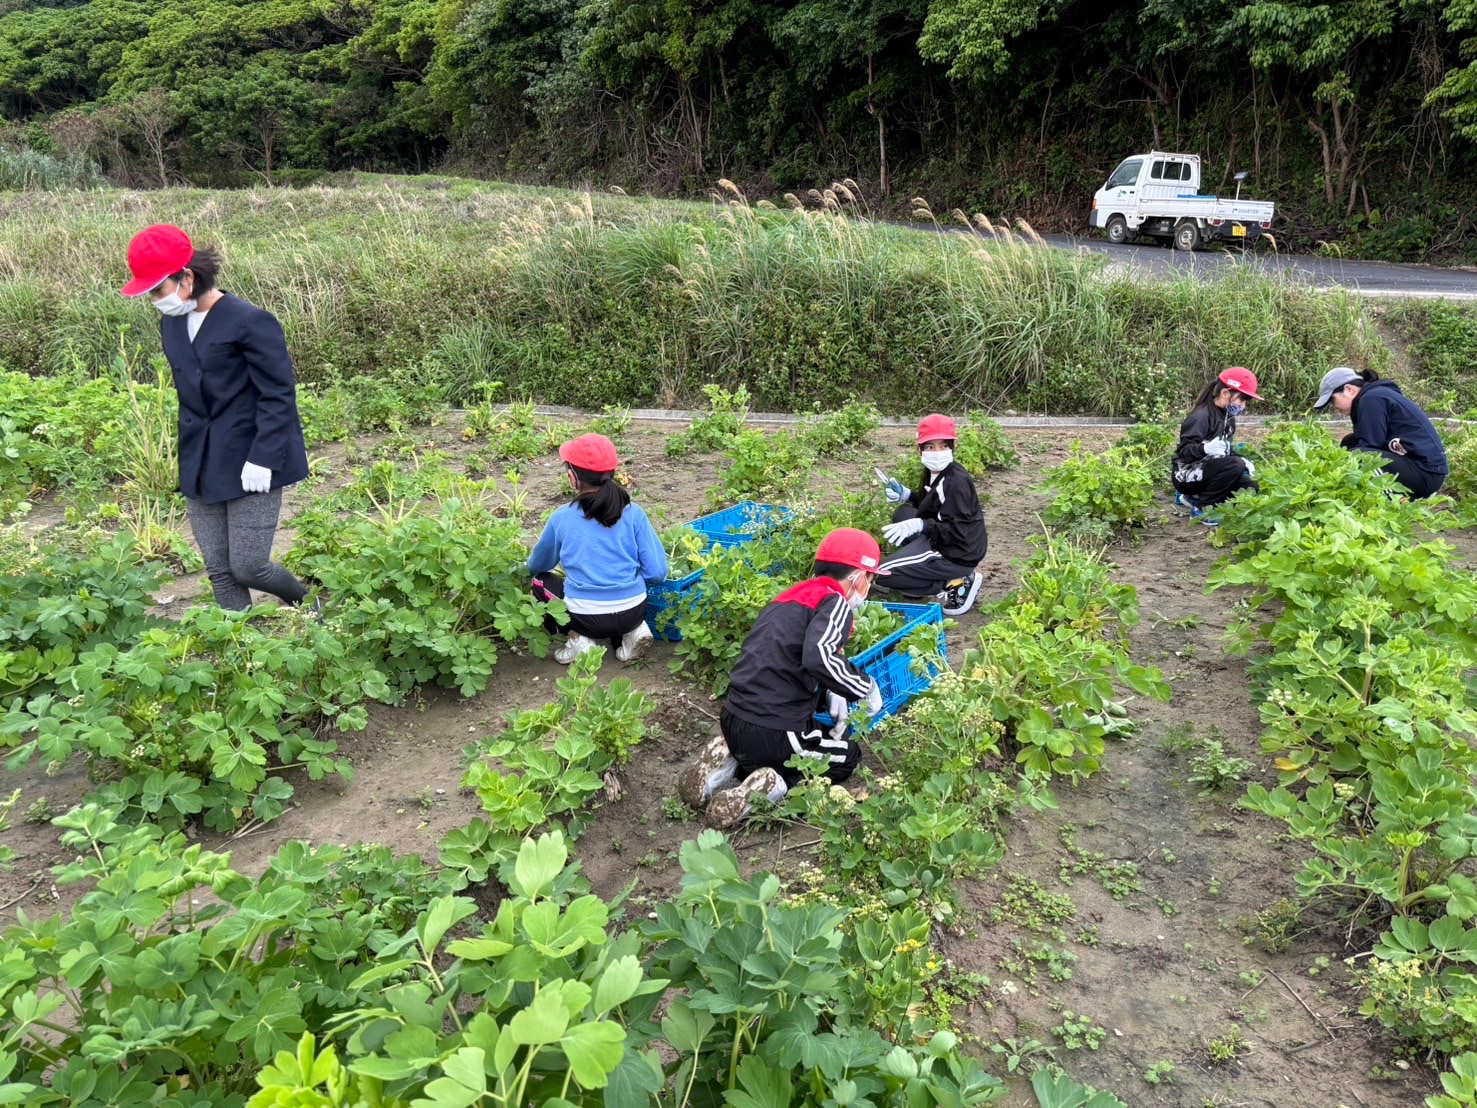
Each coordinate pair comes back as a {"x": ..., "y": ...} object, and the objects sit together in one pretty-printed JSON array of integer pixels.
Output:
[{"x": 1368, "y": 278}]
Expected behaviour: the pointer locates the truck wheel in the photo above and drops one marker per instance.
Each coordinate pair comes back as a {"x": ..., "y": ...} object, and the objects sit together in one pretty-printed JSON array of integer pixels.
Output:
[
  {"x": 1116, "y": 230},
  {"x": 1186, "y": 235}
]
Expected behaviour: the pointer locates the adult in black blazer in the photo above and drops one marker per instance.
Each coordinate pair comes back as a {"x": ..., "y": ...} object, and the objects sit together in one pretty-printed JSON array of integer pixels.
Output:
[{"x": 240, "y": 436}]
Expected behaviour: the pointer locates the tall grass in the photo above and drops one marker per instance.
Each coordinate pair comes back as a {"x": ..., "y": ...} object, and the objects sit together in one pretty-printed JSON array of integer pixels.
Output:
[
  {"x": 23, "y": 170},
  {"x": 594, "y": 299}
]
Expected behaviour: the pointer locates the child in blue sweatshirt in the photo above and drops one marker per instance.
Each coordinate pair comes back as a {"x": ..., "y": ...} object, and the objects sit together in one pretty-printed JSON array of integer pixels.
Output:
[{"x": 610, "y": 553}]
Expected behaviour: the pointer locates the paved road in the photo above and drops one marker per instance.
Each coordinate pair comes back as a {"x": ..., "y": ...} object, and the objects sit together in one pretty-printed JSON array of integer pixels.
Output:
[{"x": 1370, "y": 278}]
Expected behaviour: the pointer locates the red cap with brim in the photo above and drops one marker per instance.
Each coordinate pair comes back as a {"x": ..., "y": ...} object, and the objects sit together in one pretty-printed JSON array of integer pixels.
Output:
[
  {"x": 849, "y": 546},
  {"x": 155, "y": 254},
  {"x": 594, "y": 453},
  {"x": 1242, "y": 380}
]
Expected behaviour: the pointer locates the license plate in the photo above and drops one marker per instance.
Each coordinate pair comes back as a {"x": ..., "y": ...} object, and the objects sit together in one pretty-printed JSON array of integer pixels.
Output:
[{"x": 1238, "y": 232}]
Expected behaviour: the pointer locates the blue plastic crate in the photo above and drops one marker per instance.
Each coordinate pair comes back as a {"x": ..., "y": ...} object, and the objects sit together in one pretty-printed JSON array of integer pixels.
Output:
[
  {"x": 674, "y": 594},
  {"x": 891, "y": 668},
  {"x": 739, "y": 524}
]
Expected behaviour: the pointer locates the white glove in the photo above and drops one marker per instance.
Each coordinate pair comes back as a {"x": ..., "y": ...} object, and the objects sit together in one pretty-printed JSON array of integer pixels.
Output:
[
  {"x": 255, "y": 478},
  {"x": 837, "y": 708},
  {"x": 874, "y": 698},
  {"x": 1217, "y": 448},
  {"x": 1250, "y": 467},
  {"x": 901, "y": 532},
  {"x": 895, "y": 491},
  {"x": 1397, "y": 447}
]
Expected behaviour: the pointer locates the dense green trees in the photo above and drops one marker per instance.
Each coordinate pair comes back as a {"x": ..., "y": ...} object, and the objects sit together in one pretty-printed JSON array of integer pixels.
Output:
[{"x": 1358, "y": 116}]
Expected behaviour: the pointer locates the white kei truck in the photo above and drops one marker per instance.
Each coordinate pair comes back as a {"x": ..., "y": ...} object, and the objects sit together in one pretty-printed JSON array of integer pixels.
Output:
[{"x": 1157, "y": 196}]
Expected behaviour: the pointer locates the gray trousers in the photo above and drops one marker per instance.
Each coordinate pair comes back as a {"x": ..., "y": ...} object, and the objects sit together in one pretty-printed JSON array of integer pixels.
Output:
[{"x": 235, "y": 538}]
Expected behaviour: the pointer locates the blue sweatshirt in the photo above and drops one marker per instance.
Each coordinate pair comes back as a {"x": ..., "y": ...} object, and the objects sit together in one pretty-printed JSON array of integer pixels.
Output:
[
  {"x": 1381, "y": 412},
  {"x": 601, "y": 563}
]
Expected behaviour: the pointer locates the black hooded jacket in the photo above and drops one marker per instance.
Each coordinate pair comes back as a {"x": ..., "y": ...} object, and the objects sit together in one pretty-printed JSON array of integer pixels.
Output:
[{"x": 1381, "y": 412}]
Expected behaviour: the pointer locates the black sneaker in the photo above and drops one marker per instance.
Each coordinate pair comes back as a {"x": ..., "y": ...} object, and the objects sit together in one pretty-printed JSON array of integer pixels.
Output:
[{"x": 960, "y": 596}]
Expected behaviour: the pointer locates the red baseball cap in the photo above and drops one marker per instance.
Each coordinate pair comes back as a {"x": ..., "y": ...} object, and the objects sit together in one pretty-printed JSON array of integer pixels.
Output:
[
  {"x": 595, "y": 453},
  {"x": 847, "y": 546},
  {"x": 1241, "y": 379},
  {"x": 155, "y": 253},
  {"x": 936, "y": 426}
]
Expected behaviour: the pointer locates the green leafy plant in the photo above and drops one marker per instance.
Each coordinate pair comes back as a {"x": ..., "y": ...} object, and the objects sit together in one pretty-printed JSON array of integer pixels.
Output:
[
  {"x": 873, "y": 624},
  {"x": 983, "y": 445},
  {"x": 1159, "y": 1073},
  {"x": 1055, "y": 1089},
  {"x": 1228, "y": 1047},
  {"x": 509, "y": 432},
  {"x": 1023, "y": 1055},
  {"x": 1098, "y": 496},
  {"x": 770, "y": 1003},
  {"x": 200, "y": 716},
  {"x": 765, "y": 465},
  {"x": 429, "y": 595},
  {"x": 1077, "y": 1031},
  {"x": 1048, "y": 670},
  {"x": 1213, "y": 769},
  {"x": 56, "y": 602},
  {"x": 554, "y": 758},
  {"x": 1364, "y": 677},
  {"x": 716, "y": 428},
  {"x": 831, "y": 433},
  {"x": 1459, "y": 1083}
]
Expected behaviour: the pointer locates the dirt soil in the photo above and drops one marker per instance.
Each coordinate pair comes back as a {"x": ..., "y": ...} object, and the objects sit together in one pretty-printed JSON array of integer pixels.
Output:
[{"x": 1171, "y": 966}]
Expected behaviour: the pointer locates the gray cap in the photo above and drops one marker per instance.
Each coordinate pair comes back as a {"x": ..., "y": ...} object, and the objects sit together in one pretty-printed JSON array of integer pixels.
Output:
[{"x": 1334, "y": 380}]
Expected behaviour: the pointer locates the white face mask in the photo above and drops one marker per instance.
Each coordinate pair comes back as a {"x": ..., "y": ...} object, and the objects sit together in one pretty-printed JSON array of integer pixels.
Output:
[
  {"x": 936, "y": 461},
  {"x": 173, "y": 305},
  {"x": 855, "y": 599}
]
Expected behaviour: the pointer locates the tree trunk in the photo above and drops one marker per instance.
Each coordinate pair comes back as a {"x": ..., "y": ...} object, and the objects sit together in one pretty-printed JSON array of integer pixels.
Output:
[
  {"x": 1328, "y": 186},
  {"x": 883, "y": 185},
  {"x": 268, "y": 143},
  {"x": 1256, "y": 126}
]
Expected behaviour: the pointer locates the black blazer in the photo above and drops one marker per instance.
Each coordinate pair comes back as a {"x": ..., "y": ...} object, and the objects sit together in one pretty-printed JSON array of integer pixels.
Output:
[{"x": 237, "y": 400}]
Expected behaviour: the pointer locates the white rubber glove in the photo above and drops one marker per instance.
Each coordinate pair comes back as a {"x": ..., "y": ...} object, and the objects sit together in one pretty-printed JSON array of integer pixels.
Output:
[
  {"x": 1217, "y": 448},
  {"x": 1397, "y": 447},
  {"x": 895, "y": 491},
  {"x": 837, "y": 708},
  {"x": 1250, "y": 467},
  {"x": 874, "y": 699},
  {"x": 255, "y": 478},
  {"x": 901, "y": 532}
]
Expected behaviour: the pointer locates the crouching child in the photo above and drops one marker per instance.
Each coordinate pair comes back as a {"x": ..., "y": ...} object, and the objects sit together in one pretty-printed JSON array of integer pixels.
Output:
[{"x": 791, "y": 666}]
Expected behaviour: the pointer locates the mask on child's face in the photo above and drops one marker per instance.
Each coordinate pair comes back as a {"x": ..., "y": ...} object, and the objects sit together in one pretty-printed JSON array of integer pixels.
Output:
[
  {"x": 173, "y": 305},
  {"x": 1234, "y": 410},
  {"x": 935, "y": 461}
]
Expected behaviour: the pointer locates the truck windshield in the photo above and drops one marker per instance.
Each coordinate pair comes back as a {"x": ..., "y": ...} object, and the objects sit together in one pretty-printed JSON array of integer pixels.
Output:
[{"x": 1125, "y": 174}]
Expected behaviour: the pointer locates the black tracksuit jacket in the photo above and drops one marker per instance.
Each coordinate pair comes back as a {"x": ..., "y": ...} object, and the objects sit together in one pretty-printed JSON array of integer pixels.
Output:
[
  {"x": 953, "y": 520},
  {"x": 794, "y": 652}
]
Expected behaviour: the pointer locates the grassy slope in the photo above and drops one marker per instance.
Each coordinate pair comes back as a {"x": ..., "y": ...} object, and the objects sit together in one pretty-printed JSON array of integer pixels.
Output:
[{"x": 591, "y": 299}]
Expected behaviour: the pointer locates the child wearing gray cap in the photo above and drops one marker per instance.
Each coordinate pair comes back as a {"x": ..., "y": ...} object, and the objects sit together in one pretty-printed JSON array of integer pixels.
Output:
[{"x": 1387, "y": 423}]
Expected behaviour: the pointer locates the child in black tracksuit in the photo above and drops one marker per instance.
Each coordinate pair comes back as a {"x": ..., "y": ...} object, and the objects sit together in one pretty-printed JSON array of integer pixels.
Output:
[
  {"x": 1206, "y": 470},
  {"x": 939, "y": 529},
  {"x": 790, "y": 668}
]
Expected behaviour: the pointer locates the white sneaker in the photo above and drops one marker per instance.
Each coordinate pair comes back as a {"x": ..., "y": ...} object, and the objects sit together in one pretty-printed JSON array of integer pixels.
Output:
[
  {"x": 571, "y": 650},
  {"x": 634, "y": 643},
  {"x": 712, "y": 769},
  {"x": 729, "y": 809},
  {"x": 960, "y": 597}
]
